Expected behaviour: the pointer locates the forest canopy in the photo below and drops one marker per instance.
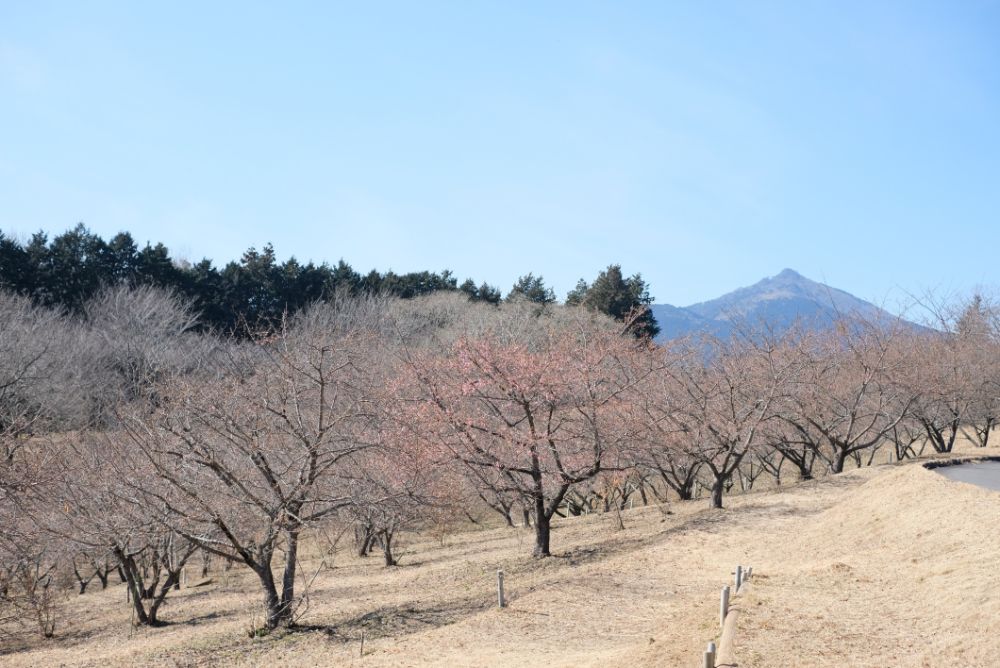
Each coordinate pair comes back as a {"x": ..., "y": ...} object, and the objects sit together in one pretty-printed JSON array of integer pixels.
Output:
[{"x": 255, "y": 292}]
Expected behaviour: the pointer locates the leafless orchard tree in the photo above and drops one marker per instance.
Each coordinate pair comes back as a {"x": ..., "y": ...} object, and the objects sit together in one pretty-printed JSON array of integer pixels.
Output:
[
  {"x": 951, "y": 372},
  {"x": 104, "y": 509},
  {"x": 33, "y": 343},
  {"x": 978, "y": 331},
  {"x": 32, "y": 584},
  {"x": 847, "y": 397},
  {"x": 663, "y": 447},
  {"x": 530, "y": 408},
  {"x": 727, "y": 391},
  {"x": 131, "y": 339},
  {"x": 394, "y": 488},
  {"x": 254, "y": 454}
]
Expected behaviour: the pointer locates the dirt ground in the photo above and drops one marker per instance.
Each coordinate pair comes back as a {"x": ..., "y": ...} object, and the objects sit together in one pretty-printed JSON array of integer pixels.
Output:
[{"x": 886, "y": 566}]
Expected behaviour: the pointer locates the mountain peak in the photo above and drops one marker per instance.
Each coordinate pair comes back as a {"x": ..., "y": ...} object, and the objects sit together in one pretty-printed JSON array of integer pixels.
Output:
[
  {"x": 780, "y": 301},
  {"x": 789, "y": 273}
]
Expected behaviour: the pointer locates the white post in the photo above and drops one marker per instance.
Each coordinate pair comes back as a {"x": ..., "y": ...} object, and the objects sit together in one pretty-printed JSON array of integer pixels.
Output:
[
  {"x": 710, "y": 656},
  {"x": 724, "y": 605},
  {"x": 739, "y": 578},
  {"x": 501, "y": 601}
]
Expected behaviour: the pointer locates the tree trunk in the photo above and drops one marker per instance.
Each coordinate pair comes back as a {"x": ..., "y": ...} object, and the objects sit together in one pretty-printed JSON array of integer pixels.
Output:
[
  {"x": 985, "y": 440},
  {"x": 542, "y": 518},
  {"x": 173, "y": 577},
  {"x": 288, "y": 577},
  {"x": 363, "y": 539},
  {"x": 718, "y": 484},
  {"x": 102, "y": 575},
  {"x": 81, "y": 580},
  {"x": 272, "y": 603},
  {"x": 130, "y": 574},
  {"x": 839, "y": 457},
  {"x": 941, "y": 444},
  {"x": 386, "y": 537},
  {"x": 542, "y": 530}
]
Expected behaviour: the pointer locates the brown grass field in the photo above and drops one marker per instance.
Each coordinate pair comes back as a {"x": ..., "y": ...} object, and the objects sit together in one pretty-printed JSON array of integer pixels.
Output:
[{"x": 892, "y": 565}]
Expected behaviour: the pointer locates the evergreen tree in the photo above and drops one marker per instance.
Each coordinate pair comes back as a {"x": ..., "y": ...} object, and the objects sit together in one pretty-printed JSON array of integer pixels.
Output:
[
  {"x": 343, "y": 277},
  {"x": 76, "y": 267},
  {"x": 489, "y": 294},
  {"x": 624, "y": 299},
  {"x": 123, "y": 258},
  {"x": 483, "y": 293},
  {"x": 533, "y": 289},
  {"x": 576, "y": 296},
  {"x": 17, "y": 272}
]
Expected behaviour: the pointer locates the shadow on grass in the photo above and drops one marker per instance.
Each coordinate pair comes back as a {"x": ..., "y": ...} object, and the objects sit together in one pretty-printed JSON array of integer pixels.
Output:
[
  {"x": 709, "y": 520},
  {"x": 397, "y": 621},
  {"x": 14, "y": 642}
]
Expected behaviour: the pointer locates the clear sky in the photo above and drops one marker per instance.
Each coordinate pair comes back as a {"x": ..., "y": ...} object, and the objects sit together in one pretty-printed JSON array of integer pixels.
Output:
[{"x": 703, "y": 144}]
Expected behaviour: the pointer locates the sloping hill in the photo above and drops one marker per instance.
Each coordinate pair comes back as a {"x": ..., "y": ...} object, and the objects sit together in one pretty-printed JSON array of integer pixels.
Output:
[
  {"x": 900, "y": 572},
  {"x": 778, "y": 301},
  {"x": 884, "y": 566}
]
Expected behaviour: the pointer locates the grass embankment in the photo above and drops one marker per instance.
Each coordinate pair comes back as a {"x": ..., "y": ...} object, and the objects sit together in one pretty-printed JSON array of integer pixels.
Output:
[{"x": 892, "y": 565}]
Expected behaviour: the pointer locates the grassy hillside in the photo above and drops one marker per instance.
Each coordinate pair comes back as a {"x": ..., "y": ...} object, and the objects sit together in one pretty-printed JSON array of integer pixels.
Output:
[{"x": 889, "y": 565}]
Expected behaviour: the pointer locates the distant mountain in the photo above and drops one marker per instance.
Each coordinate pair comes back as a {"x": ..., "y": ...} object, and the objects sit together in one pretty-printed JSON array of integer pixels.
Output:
[{"x": 779, "y": 301}]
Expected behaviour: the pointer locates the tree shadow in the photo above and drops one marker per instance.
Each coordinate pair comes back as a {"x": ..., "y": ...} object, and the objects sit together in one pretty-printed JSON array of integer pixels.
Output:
[
  {"x": 194, "y": 621},
  {"x": 25, "y": 641},
  {"x": 397, "y": 621},
  {"x": 709, "y": 520}
]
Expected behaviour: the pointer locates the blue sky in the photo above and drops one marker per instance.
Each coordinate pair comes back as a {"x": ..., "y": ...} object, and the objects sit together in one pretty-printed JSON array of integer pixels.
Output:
[{"x": 703, "y": 144}]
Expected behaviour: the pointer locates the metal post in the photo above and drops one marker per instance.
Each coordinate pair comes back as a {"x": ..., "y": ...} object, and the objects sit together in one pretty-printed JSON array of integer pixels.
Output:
[
  {"x": 739, "y": 578},
  {"x": 724, "y": 605},
  {"x": 710, "y": 656},
  {"x": 501, "y": 601}
]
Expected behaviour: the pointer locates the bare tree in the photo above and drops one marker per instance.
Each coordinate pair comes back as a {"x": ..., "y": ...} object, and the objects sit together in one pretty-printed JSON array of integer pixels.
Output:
[
  {"x": 663, "y": 446},
  {"x": 728, "y": 390},
  {"x": 529, "y": 412},
  {"x": 133, "y": 338},
  {"x": 846, "y": 396},
  {"x": 32, "y": 370},
  {"x": 947, "y": 371},
  {"x": 253, "y": 454},
  {"x": 978, "y": 331},
  {"x": 98, "y": 506}
]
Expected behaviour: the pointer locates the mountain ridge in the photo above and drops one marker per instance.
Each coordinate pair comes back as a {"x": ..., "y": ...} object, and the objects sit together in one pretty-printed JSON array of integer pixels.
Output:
[{"x": 779, "y": 301}]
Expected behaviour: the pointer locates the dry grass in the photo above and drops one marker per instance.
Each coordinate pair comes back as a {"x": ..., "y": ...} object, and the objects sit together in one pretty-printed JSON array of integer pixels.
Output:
[
  {"x": 892, "y": 565},
  {"x": 900, "y": 572}
]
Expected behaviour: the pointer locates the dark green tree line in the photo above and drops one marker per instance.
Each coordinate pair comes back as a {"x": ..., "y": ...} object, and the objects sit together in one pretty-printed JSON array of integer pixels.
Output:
[{"x": 253, "y": 292}]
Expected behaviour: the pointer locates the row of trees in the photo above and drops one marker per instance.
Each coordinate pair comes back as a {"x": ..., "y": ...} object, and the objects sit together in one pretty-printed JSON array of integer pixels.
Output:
[
  {"x": 256, "y": 292},
  {"x": 390, "y": 415}
]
